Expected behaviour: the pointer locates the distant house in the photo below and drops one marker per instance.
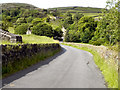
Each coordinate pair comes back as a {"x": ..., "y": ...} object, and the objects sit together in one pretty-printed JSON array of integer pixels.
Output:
[{"x": 28, "y": 32}]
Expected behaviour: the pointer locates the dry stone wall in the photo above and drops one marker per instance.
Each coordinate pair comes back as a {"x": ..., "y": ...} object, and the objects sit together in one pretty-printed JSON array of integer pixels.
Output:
[
  {"x": 102, "y": 50},
  {"x": 10, "y": 37},
  {"x": 12, "y": 53}
]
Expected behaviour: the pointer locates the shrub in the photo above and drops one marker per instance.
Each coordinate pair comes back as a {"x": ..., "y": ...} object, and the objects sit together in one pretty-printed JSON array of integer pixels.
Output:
[
  {"x": 42, "y": 29},
  {"x": 21, "y": 29},
  {"x": 36, "y": 21},
  {"x": 58, "y": 33}
]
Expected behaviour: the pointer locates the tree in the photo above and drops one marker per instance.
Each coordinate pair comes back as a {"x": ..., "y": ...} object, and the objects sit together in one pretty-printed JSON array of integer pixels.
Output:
[
  {"x": 57, "y": 33},
  {"x": 14, "y": 12},
  {"x": 4, "y": 25},
  {"x": 36, "y": 21},
  {"x": 107, "y": 28},
  {"x": 21, "y": 20},
  {"x": 67, "y": 20},
  {"x": 42, "y": 29},
  {"x": 77, "y": 16},
  {"x": 29, "y": 19},
  {"x": 55, "y": 13},
  {"x": 21, "y": 29},
  {"x": 87, "y": 27},
  {"x": 72, "y": 36}
]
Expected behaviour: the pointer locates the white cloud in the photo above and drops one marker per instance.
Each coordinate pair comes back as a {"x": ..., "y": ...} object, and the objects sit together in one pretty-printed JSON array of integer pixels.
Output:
[{"x": 61, "y": 3}]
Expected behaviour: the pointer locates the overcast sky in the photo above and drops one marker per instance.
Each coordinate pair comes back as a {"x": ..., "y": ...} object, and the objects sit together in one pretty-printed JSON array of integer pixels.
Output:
[{"x": 60, "y": 3}]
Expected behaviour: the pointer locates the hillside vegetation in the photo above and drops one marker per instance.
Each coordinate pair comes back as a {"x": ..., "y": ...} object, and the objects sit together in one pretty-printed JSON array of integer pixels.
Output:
[
  {"x": 17, "y": 5},
  {"x": 49, "y": 22},
  {"x": 85, "y": 10}
]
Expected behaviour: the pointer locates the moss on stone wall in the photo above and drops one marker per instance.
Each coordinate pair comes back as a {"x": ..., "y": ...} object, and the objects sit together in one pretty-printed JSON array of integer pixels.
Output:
[{"x": 18, "y": 57}]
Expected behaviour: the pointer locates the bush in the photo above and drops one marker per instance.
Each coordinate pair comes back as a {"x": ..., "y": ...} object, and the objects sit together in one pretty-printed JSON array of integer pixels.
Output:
[
  {"x": 58, "y": 33},
  {"x": 87, "y": 27},
  {"x": 97, "y": 42},
  {"x": 21, "y": 20},
  {"x": 42, "y": 29},
  {"x": 36, "y": 21},
  {"x": 21, "y": 29},
  {"x": 72, "y": 36}
]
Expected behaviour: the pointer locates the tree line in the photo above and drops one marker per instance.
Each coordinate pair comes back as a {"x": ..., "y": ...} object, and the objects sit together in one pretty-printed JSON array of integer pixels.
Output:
[
  {"x": 85, "y": 29},
  {"x": 80, "y": 28},
  {"x": 23, "y": 19}
]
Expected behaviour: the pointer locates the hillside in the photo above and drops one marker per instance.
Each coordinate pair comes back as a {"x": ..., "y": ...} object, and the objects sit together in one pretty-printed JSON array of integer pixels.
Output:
[
  {"x": 87, "y": 11},
  {"x": 21, "y": 9},
  {"x": 17, "y": 5},
  {"x": 78, "y": 9}
]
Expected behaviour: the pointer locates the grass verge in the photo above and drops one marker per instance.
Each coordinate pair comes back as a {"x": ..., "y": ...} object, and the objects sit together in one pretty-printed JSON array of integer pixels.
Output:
[
  {"x": 24, "y": 63},
  {"x": 108, "y": 68}
]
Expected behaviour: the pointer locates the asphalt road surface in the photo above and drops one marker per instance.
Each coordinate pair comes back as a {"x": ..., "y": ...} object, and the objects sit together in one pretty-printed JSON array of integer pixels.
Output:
[{"x": 71, "y": 68}]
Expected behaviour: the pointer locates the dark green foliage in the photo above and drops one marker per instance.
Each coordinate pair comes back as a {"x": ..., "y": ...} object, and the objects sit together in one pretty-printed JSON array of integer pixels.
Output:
[
  {"x": 21, "y": 29},
  {"x": 86, "y": 26},
  {"x": 107, "y": 28},
  {"x": 36, "y": 21},
  {"x": 42, "y": 29},
  {"x": 67, "y": 20},
  {"x": 13, "y": 11},
  {"x": 20, "y": 20},
  {"x": 77, "y": 16},
  {"x": 55, "y": 12},
  {"x": 4, "y": 25},
  {"x": 47, "y": 19},
  {"x": 82, "y": 31},
  {"x": 72, "y": 36},
  {"x": 57, "y": 33},
  {"x": 24, "y": 16},
  {"x": 106, "y": 31},
  {"x": 29, "y": 19}
]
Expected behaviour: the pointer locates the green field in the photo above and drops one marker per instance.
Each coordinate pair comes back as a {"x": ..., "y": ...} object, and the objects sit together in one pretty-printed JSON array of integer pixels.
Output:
[
  {"x": 31, "y": 39},
  {"x": 91, "y": 14},
  {"x": 78, "y": 9},
  {"x": 87, "y": 11},
  {"x": 34, "y": 39}
]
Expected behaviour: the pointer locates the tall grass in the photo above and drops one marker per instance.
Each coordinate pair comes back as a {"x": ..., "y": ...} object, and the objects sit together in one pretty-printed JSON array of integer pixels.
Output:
[{"x": 109, "y": 68}]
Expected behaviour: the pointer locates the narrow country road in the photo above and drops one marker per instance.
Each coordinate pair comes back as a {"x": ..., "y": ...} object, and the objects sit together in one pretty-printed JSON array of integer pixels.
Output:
[{"x": 72, "y": 68}]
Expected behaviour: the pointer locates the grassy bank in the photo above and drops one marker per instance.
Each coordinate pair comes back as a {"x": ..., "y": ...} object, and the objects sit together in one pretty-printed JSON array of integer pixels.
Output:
[
  {"x": 107, "y": 67},
  {"x": 27, "y": 62}
]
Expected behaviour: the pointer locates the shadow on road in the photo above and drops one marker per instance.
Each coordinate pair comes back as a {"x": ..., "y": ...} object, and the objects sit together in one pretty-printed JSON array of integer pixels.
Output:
[{"x": 30, "y": 69}]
